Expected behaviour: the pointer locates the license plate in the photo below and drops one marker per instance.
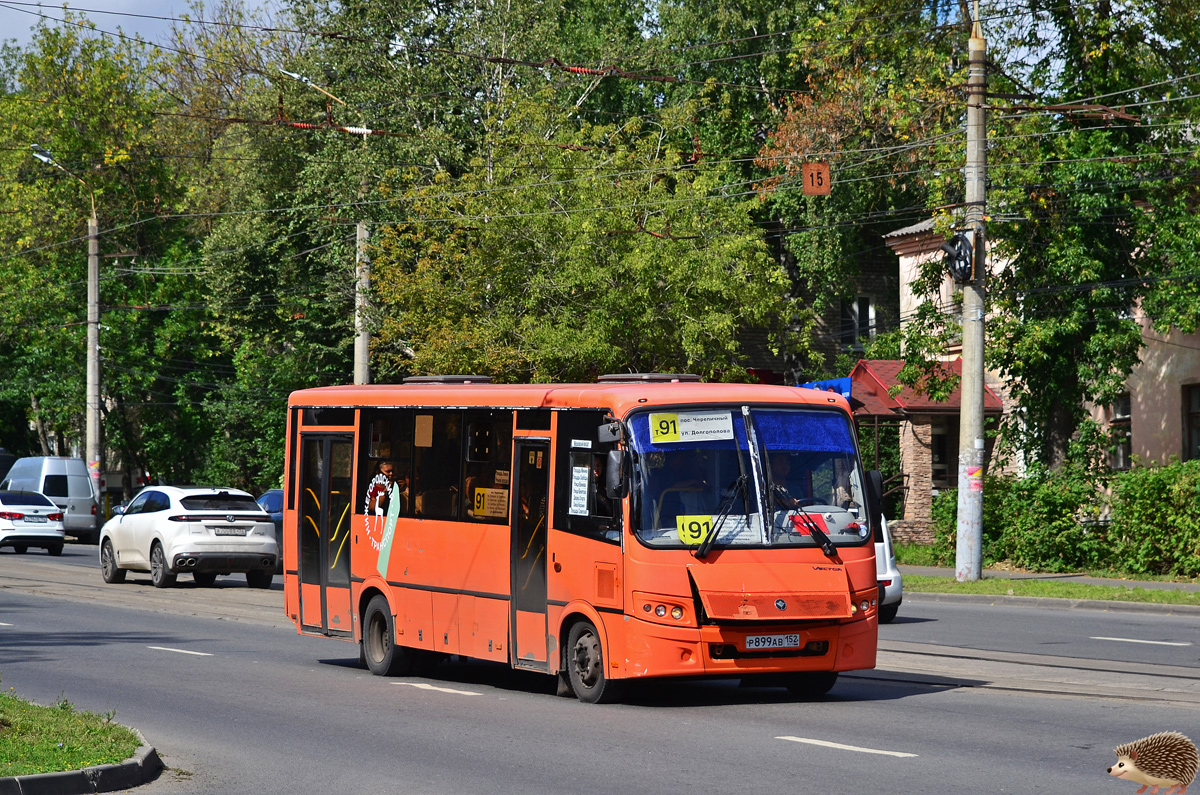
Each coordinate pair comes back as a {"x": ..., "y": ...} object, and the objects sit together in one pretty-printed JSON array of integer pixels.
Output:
[
  {"x": 230, "y": 531},
  {"x": 760, "y": 642},
  {"x": 35, "y": 518}
]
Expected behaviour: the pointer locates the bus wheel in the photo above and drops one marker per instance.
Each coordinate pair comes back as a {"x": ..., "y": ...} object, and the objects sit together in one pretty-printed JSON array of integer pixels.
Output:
[
  {"x": 585, "y": 666},
  {"x": 379, "y": 649},
  {"x": 813, "y": 684},
  {"x": 108, "y": 564}
]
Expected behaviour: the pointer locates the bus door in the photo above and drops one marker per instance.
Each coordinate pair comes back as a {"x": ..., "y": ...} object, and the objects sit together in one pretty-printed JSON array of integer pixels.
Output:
[
  {"x": 529, "y": 519},
  {"x": 325, "y": 483}
]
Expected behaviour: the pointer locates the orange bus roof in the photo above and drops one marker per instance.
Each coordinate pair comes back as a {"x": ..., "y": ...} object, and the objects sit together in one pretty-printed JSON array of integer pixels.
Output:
[{"x": 620, "y": 397}]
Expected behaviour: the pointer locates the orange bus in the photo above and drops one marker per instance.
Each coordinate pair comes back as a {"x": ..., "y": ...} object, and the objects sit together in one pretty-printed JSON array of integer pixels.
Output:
[{"x": 641, "y": 526}]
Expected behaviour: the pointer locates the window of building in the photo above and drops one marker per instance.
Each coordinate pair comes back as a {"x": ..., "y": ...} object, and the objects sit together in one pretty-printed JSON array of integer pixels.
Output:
[
  {"x": 858, "y": 321},
  {"x": 1119, "y": 431},
  {"x": 1191, "y": 436}
]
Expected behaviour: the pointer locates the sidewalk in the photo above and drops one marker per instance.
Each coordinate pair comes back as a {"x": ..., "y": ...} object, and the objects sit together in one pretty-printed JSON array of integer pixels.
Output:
[{"x": 1003, "y": 574}]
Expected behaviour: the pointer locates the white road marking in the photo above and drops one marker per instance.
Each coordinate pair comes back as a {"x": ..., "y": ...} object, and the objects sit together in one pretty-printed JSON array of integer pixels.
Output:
[
  {"x": 180, "y": 651},
  {"x": 828, "y": 744},
  {"x": 1151, "y": 642},
  {"x": 2, "y": 624},
  {"x": 425, "y": 686}
]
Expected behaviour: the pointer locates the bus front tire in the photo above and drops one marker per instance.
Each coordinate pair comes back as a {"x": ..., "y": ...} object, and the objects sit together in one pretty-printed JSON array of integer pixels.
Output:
[
  {"x": 585, "y": 667},
  {"x": 379, "y": 649},
  {"x": 811, "y": 684}
]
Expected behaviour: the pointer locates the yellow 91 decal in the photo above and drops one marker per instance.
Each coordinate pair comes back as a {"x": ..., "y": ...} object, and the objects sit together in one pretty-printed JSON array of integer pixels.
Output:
[
  {"x": 664, "y": 428},
  {"x": 693, "y": 529}
]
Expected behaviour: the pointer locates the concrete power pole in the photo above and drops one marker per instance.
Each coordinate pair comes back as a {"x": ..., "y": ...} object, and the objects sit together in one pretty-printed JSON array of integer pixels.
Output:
[
  {"x": 968, "y": 554},
  {"x": 362, "y": 287},
  {"x": 93, "y": 451}
]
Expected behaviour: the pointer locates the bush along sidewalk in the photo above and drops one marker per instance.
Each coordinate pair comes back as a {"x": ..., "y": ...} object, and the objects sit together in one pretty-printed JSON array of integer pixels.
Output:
[{"x": 1051, "y": 521}]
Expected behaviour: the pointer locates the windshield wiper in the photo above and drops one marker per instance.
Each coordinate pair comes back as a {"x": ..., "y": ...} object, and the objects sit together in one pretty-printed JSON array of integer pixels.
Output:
[
  {"x": 827, "y": 545},
  {"x": 726, "y": 506}
]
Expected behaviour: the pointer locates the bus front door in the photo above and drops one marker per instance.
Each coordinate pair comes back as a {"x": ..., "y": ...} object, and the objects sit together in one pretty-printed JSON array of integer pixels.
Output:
[
  {"x": 529, "y": 520},
  {"x": 326, "y": 468}
]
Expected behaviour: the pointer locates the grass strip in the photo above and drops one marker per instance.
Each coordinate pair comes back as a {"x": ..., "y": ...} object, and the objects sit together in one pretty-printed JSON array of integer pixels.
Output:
[
  {"x": 1049, "y": 588},
  {"x": 36, "y": 739}
]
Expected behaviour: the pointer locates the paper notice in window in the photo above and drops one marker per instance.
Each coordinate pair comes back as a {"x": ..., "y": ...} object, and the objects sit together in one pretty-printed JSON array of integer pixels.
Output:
[{"x": 579, "y": 491}]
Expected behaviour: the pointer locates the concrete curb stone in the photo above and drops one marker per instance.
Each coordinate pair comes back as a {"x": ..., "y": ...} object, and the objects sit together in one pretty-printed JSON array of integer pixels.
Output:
[
  {"x": 137, "y": 769},
  {"x": 1051, "y": 602}
]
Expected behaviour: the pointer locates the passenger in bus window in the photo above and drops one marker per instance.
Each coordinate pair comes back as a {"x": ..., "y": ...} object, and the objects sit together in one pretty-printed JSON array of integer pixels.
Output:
[
  {"x": 386, "y": 484},
  {"x": 602, "y": 506}
]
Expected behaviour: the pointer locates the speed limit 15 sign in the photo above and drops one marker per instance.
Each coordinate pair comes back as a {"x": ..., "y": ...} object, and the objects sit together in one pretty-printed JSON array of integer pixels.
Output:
[{"x": 816, "y": 178}]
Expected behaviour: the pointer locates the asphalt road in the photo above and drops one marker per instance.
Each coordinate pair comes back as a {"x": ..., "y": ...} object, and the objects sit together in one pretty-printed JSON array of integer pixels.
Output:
[{"x": 972, "y": 696}]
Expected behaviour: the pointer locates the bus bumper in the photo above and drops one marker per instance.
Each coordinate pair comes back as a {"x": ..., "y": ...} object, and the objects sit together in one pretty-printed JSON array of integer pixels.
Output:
[{"x": 661, "y": 650}]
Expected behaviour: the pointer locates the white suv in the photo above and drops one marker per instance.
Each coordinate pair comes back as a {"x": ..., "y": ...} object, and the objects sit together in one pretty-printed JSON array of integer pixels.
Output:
[
  {"x": 167, "y": 530},
  {"x": 891, "y": 583}
]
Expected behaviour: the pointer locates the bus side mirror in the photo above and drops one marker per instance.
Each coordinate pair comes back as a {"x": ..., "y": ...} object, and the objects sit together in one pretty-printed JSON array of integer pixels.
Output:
[
  {"x": 875, "y": 501},
  {"x": 610, "y": 432},
  {"x": 614, "y": 475}
]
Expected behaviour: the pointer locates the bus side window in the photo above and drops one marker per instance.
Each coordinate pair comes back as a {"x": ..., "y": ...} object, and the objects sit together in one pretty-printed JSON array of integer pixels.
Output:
[
  {"x": 581, "y": 505},
  {"x": 487, "y": 466},
  {"x": 437, "y": 464},
  {"x": 384, "y": 460}
]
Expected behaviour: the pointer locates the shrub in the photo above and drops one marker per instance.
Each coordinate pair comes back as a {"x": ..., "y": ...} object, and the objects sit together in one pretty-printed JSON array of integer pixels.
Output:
[
  {"x": 1155, "y": 524},
  {"x": 1035, "y": 522}
]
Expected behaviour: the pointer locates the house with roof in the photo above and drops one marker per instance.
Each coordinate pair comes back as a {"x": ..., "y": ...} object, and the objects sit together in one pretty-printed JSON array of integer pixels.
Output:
[{"x": 1156, "y": 420}]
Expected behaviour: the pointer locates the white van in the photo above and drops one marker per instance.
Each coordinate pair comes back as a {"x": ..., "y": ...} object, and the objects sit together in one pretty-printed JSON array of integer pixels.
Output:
[{"x": 67, "y": 483}]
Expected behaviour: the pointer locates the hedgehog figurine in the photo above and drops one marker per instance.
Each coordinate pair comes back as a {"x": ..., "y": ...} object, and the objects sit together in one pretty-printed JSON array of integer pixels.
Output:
[{"x": 1166, "y": 759}]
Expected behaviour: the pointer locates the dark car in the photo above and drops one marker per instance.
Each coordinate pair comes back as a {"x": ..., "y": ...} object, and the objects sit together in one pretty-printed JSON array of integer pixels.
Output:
[{"x": 271, "y": 501}]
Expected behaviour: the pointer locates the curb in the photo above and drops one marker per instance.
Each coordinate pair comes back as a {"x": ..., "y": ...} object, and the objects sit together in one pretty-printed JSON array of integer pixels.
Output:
[
  {"x": 136, "y": 770},
  {"x": 1052, "y": 602}
]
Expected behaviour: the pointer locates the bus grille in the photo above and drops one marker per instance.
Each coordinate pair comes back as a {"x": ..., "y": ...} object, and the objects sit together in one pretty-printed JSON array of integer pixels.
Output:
[{"x": 746, "y": 606}]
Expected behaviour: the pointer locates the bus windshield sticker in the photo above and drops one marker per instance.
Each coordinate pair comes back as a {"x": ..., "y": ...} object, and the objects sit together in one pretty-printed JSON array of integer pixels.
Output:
[
  {"x": 693, "y": 529},
  {"x": 501, "y": 477},
  {"x": 424, "y": 431},
  {"x": 691, "y": 426},
  {"x": 586, "y": 444},
  {"x": 491, "y": 502},
  {"x": 579, "y": 491}
]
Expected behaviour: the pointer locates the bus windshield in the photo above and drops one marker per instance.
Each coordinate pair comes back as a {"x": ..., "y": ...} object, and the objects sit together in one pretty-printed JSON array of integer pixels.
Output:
[{"x": 703, "y": 469}]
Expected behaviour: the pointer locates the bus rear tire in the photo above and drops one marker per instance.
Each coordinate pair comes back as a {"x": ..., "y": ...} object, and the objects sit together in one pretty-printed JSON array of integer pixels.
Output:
[
  {"x": 379, "y": 649},
  {"x": 585, "y": 667},
  {"x": 811, "y": 684}
]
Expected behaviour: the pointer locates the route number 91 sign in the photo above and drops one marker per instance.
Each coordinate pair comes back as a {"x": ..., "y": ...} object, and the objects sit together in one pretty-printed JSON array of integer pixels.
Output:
[{"x": 816, "y": 178}]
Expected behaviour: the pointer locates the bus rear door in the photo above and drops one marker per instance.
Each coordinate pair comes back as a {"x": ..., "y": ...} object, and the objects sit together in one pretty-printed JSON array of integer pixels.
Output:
[{"x": 325, "y": 483}]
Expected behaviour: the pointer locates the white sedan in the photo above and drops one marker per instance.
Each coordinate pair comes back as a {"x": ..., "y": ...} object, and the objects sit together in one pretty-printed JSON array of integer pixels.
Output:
[
  {"x": 29, "y": 519},
  {"x": 168, "y": 530}
]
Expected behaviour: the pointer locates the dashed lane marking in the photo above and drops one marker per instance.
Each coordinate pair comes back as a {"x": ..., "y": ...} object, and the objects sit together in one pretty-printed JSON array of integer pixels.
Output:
[
  {"x": 180, "y": 651},
  {"x": 1151, "y": 642},
  {"x": 424, "y": 686},
  {"x": 839, "y": 746}
]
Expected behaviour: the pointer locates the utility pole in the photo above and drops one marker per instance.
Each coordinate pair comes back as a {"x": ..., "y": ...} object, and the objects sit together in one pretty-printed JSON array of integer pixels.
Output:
[
  {"x": 362, "y": 287},
  {"x": 92, "y": 445},
  {"x": 968, "y": 553},
  {"x": 93, "y": 449}
]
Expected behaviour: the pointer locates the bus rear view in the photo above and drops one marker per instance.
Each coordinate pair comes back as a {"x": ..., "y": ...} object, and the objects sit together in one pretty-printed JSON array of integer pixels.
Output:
[{"x": 644, "y": 526}]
